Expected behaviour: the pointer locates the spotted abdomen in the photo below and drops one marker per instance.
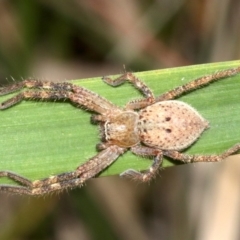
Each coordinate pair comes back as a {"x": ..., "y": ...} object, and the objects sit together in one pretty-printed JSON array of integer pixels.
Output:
[{"x": 170, "y": 125}]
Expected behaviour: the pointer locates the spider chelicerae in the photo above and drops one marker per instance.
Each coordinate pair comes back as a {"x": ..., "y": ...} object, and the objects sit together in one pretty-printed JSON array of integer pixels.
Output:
[{"x": 151, "y": 126}]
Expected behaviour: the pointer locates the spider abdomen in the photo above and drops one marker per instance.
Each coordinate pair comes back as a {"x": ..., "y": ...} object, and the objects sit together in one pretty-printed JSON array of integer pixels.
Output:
[{"x": 170, "y": 125}]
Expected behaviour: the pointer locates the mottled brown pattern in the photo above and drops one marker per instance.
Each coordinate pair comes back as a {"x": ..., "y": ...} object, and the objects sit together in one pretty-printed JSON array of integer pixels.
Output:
[
  {"x": 170, "y": 125},
  {"x": 161, "y": 127}
]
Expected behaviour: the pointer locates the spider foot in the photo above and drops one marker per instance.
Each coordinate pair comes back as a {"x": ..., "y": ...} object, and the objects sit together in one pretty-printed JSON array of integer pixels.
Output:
[
  {"x": 130, "y": 77},
  {"x": 15, "y": 189},
  {"x": 130, "y": 173},
  {"x": 136, "y": 175},
  {"x": 114, "y": 82}
]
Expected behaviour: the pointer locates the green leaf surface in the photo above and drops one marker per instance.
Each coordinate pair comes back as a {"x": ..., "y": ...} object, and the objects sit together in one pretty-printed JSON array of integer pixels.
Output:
[{"x": 39, "y": 139}]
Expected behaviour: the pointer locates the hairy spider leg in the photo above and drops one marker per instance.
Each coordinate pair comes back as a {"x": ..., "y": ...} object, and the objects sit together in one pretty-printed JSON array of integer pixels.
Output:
[
  {"x": 172, "y": 94},
  {"x": 138, "y": 84},
  {"x": 57, "y": 91},
  {"x": 154, "y": 168},
  {"x": 197, "y": 83},
  {"x": 24, "y": 189},
  {"x": 36, "y": 84},
  {"x": 175, "y": 155},
  {"x": 187, "y": 158},
  {"x": 11, "y": 88},
  {"x": 65, "y": 180}
]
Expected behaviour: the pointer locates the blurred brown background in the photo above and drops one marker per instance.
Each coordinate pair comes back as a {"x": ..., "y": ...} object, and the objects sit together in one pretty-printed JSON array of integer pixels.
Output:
[{"x": 60, "y": 40}]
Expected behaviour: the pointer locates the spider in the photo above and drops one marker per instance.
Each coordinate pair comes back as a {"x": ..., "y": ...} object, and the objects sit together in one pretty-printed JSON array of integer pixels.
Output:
[{"x": 151, "y": 126}]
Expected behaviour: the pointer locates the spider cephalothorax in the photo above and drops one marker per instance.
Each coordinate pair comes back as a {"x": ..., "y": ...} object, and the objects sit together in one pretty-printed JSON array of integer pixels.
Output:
[
  {"x": 152, "y": 126},
  {"x": 122, "y": 129}
]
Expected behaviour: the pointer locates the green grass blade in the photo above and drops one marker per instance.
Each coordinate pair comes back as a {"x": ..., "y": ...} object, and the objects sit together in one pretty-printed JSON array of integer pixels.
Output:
[{"x": 39, "y": 139}]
